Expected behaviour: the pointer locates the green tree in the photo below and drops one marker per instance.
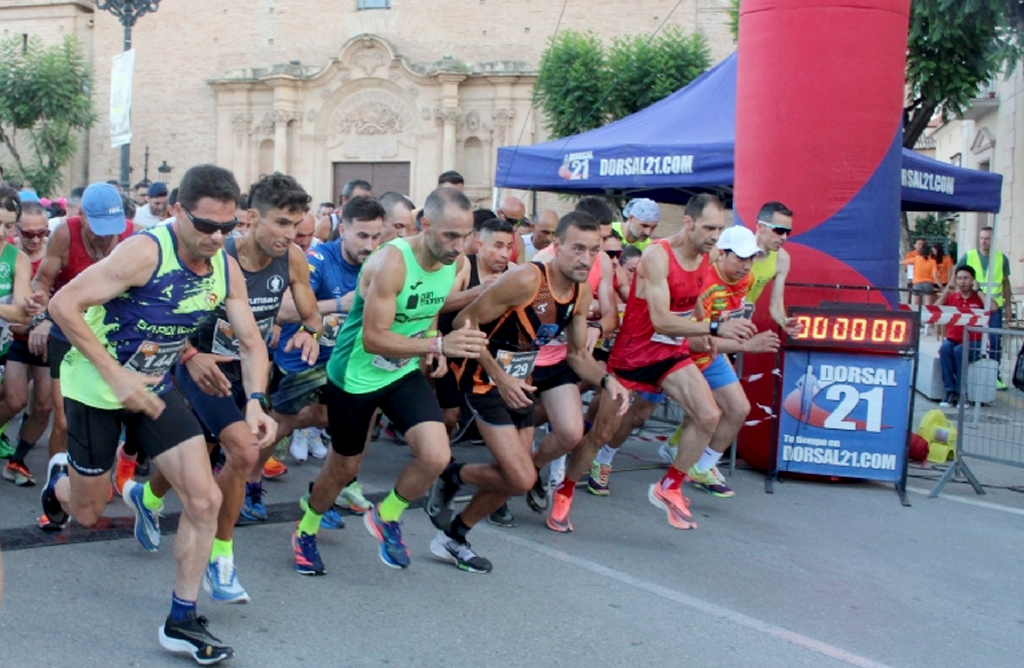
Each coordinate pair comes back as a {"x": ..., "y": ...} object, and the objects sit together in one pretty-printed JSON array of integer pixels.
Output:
[
  {"x": 44, "y": 102},
  {"x": 953, "y": 48},
  {"x": 581, "y": 85},
  {"x": 572, "y": 81},
  {"x": 646, "y": 70}
]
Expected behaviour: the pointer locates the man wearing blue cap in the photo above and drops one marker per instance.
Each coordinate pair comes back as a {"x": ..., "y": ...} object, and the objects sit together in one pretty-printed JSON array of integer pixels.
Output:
[
  {"x": 155, "y": 211},
  {"x": 641, "y": 219}
]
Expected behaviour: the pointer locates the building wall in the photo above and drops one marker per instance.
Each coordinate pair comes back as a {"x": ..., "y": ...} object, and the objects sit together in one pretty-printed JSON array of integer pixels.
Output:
[{"x": 202, "y": 67}]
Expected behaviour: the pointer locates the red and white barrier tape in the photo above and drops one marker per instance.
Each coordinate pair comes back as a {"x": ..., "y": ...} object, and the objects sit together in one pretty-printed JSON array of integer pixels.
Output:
[{"x": 950, "y": 315}]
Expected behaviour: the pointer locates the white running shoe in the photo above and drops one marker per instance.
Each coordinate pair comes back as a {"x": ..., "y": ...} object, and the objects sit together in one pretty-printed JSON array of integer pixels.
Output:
[
  {"x": 299, "y": 448},
  {"x": 315, "y": 443}
]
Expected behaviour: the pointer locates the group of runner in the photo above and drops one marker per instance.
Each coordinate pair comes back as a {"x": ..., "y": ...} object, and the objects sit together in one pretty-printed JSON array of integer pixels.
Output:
[{"x": 168, "y": 352}]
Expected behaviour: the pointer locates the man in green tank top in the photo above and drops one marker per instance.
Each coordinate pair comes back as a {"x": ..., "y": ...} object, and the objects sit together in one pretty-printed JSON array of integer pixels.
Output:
[
  {"x": 392, "y": 323},
  {"x": 128, "y": 317}
]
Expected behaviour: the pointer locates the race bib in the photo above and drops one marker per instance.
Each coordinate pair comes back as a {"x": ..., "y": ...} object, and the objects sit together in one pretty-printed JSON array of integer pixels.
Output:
[
  {"x": 155, "y": 359},
  {"x": 332, "y": 325},
  {"x": 518, "y": 365},
  {"x": 673, "y": 340},
  {"x": 225, "y": 343}
]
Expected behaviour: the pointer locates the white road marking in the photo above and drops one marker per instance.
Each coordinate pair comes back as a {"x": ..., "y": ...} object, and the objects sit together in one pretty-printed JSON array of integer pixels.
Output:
[{"x": 968, "y": 501}]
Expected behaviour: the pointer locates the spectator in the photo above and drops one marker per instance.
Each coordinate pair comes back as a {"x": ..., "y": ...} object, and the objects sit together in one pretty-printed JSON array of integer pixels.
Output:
[
  {"x": 155, "y": 211},
  {"x": 925, "y": 276},
  {"x": 952, "y": 349},
  {"x": 451, "y": 179},
  {"x": 994, "y": 287}
]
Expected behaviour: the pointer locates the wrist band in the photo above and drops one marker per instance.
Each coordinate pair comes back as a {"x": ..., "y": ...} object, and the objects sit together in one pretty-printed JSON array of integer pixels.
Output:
[
  {"x": 433, "y": 346},
  {"x": 337, "y": 304},
  {"x": 188, "y": 354},
  {"x": 440, "y": 340}
]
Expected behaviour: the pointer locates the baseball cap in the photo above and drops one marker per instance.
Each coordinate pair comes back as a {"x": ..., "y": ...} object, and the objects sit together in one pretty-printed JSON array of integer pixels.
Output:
[
  {"x": 28, "y": 196},
  {"x": 102, "y": 205},
  {"x": 157, "y": 189},
  {"x": 740, "y": 241}
]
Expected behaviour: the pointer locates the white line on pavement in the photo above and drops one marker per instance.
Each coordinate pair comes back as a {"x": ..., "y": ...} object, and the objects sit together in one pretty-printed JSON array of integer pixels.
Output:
[
  {"x": 700, "y": 605},
  {"x": 970, "y": 502}
]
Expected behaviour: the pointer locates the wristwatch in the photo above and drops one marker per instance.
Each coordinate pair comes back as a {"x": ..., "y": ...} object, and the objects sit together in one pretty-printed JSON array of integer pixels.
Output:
[
  {"x": 714, "y": 327},
  {"x": 309, "y": 330},
  {"x": 262, "y": 398}
]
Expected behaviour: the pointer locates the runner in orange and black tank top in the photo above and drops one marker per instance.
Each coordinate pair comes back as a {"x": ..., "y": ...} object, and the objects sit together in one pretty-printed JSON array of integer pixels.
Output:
[{"x": 517, "y": 337}]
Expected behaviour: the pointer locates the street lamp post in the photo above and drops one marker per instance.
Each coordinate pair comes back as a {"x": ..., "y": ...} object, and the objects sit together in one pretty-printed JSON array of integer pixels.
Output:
[{"x": 127, "y": 12}]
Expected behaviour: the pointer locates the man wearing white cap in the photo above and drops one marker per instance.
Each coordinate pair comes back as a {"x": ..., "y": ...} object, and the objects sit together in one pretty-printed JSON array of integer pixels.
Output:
[{"x": 641, "y": 219}]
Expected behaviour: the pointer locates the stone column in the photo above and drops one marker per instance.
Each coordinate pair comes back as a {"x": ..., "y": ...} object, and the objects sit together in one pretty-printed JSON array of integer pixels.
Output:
[
  {"x": 449, "y": 119},
  {"x": 281, "y": 120}
]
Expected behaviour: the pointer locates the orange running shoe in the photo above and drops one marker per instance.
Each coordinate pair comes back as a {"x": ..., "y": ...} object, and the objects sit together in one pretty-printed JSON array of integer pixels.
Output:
[
  {"x": 558, "y": 519},
  {"x": 124, "y": 470},
  {"x": 674, "y": 503},
  {"x": 274, "y": 468}
]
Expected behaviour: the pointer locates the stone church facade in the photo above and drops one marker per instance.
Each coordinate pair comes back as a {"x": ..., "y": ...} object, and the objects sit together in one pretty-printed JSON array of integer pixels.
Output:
[{"x": 394, "y": 91}]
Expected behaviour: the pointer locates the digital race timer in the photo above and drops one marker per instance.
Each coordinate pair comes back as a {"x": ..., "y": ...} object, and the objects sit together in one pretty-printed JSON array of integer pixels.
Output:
[{"x": 855, "y": 329}]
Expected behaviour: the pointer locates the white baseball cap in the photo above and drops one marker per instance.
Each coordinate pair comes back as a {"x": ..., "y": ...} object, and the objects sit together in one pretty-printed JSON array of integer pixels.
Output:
[{"x": 740, "y": 241}]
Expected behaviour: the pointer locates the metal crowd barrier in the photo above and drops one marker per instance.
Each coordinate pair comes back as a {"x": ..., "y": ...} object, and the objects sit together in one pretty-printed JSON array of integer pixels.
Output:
[{"x": 990, "y": 423}]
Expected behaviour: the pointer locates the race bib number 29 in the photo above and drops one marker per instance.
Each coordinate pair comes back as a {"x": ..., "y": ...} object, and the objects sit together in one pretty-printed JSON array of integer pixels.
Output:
[{"x": 517, "y": 365}]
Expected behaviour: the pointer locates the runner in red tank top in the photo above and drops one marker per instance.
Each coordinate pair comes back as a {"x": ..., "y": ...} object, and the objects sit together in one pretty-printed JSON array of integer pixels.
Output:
[
  {"x": 651, "y": 354},
  {"x": 73, "y": 248}
]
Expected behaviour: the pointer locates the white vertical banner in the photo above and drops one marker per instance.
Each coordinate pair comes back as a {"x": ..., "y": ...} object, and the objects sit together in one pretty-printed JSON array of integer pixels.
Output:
[{"x": 122, "y": 68}]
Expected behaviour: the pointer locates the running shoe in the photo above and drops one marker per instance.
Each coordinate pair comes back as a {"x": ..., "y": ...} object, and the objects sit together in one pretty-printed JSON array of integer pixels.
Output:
[
  {"x": 221, "y": 582},
  {"x": 317, "y": 448},
  {"x": 190, "y": 636},
  {"x": 299, "y": 448},
  {"x": 124, "y": 470},
  {"x": 439, "y": 503},
  {"x": 1000, "y": 385},
  {"x": 55, "y": 470},
  {"x": 502, "y": 517},
  {"x": 307, "y": 556},
  {"x": 537, "y": 496},
  {"x": 558, "y": 519},
  {"x": 351, "y": 498},
  {"x": 668, "y": 452},
  {"x": 147, "y": 522},
  {"x": 253, "y": 509},
  {"x": 46, "y": 525},
  {"x": 393, "y": 551},
  {"x": 674, "y": 504},
  {"x": 274, "y": 468},
  {"x": 598, "y": 482},
  {"x": 711, "y": 481},
  {"x": 6, "y": 449},
  {"x": 19, "y": 474},
  {"x": 448, "y": 549},
  {"x": 332, "y": 519}
]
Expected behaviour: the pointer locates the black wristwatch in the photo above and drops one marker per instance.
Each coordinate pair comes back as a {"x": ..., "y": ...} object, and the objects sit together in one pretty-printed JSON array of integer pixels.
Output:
[
  {"x": 262, "y": 398},
  {"x": 714, "y": 327},
  {"x": 309, "y": 330},
  {"x": 604, "y": 381}
]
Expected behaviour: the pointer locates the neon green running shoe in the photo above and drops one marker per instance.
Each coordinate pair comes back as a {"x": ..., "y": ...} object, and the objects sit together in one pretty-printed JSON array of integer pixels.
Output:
[{"x": 711, "y": 481}]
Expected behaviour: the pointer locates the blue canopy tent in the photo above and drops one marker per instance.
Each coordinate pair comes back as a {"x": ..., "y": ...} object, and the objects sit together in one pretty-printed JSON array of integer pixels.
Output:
[{"x": 684, "y": 144}]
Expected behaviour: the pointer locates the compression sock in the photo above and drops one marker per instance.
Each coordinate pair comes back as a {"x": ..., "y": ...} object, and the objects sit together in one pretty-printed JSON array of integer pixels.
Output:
[
  {"x": 566, "y": 488},
  {"x": 708, "y": 459},
  {"x": 22, "y": 450},
  {"x": 151, "y": 500},
  {"x": 673, "y": 479},
  {"x": 451, "y": 474},
  {"x": 180, "y": 608},
  {"x": 605, "y": 455},
  {"x": 310, "y": 522},
  {"x": 458, "y": 529},
  {"x": 221, "y": 548},
  {"x": 392, "y": 507}
]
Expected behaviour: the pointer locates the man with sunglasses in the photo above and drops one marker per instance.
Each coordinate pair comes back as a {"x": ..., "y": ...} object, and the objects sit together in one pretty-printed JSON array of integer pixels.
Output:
[
  {"x": 22, "y": 364},
  {"x": 211, "y": 373},
  {"x": 513, "y": 210},
  {"x": 129, "y": 318},
  {"x": 774, "y": 225}
]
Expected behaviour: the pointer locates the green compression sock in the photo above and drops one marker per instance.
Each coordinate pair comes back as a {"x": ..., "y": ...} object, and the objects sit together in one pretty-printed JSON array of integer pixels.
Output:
[
  {"x": 392, "y": 507},
  {"x": 221, "y": 548},
  {"x": 151, "y": 500},
  {"x": 310, "y": 522}
]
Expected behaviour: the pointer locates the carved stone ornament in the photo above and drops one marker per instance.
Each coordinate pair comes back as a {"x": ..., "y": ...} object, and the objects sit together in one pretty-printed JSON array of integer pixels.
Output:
[
  {"x": 371, "y": 118},
  {"x": 472, "y": 122},
  {"x": 369, "y": 59},
  {"x": 502, "y": 117},
  {"x": 266, "y": 126},
  {"x": 240, "y": 123},
  {"x": 371, "y": 112},
  {"x": 448, "y": 115}
]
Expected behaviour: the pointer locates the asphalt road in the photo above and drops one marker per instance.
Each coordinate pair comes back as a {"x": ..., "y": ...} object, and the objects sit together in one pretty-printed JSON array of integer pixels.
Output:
[{"x": 814, "y": 575}]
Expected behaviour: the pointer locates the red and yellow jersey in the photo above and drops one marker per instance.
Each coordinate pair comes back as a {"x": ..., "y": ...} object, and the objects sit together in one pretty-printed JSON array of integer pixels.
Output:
[{"x": 721, "y": 300}]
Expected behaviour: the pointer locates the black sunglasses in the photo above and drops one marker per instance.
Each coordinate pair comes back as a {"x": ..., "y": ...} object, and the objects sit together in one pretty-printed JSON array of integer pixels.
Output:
[
  {"x": 614, "y": 253},
  {"x": 777, "y": 229},
  {"x": 204, "y": 226}
]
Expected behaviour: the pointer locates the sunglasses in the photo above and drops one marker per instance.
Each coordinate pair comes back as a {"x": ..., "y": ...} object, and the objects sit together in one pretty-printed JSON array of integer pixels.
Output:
[
  {"x": 777, "y": 229},
  {"x": 614, "y": 254},
  {"x": 34, "y": 235},
  {"x": 204, "y": 226}
]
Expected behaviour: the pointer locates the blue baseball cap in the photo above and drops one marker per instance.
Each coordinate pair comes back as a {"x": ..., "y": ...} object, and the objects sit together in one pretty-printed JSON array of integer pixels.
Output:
[
  {"x": 104, "y": 210},
  {"x": 28, "y": 196},
  {"x": 157, "y": 189}
]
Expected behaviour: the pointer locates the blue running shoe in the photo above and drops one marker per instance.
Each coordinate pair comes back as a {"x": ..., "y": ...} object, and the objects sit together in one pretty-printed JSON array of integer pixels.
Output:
[
  {"x": 332, "y": 519},
  {"x": 393, "y": 551},
  {"x": 221, "y": 582},
  {"x": 147, "y": 522},
  {"x": 52, "y": 510},
  {"x": 307, "y": 556},
  {"x": 253, "y": 509}
]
